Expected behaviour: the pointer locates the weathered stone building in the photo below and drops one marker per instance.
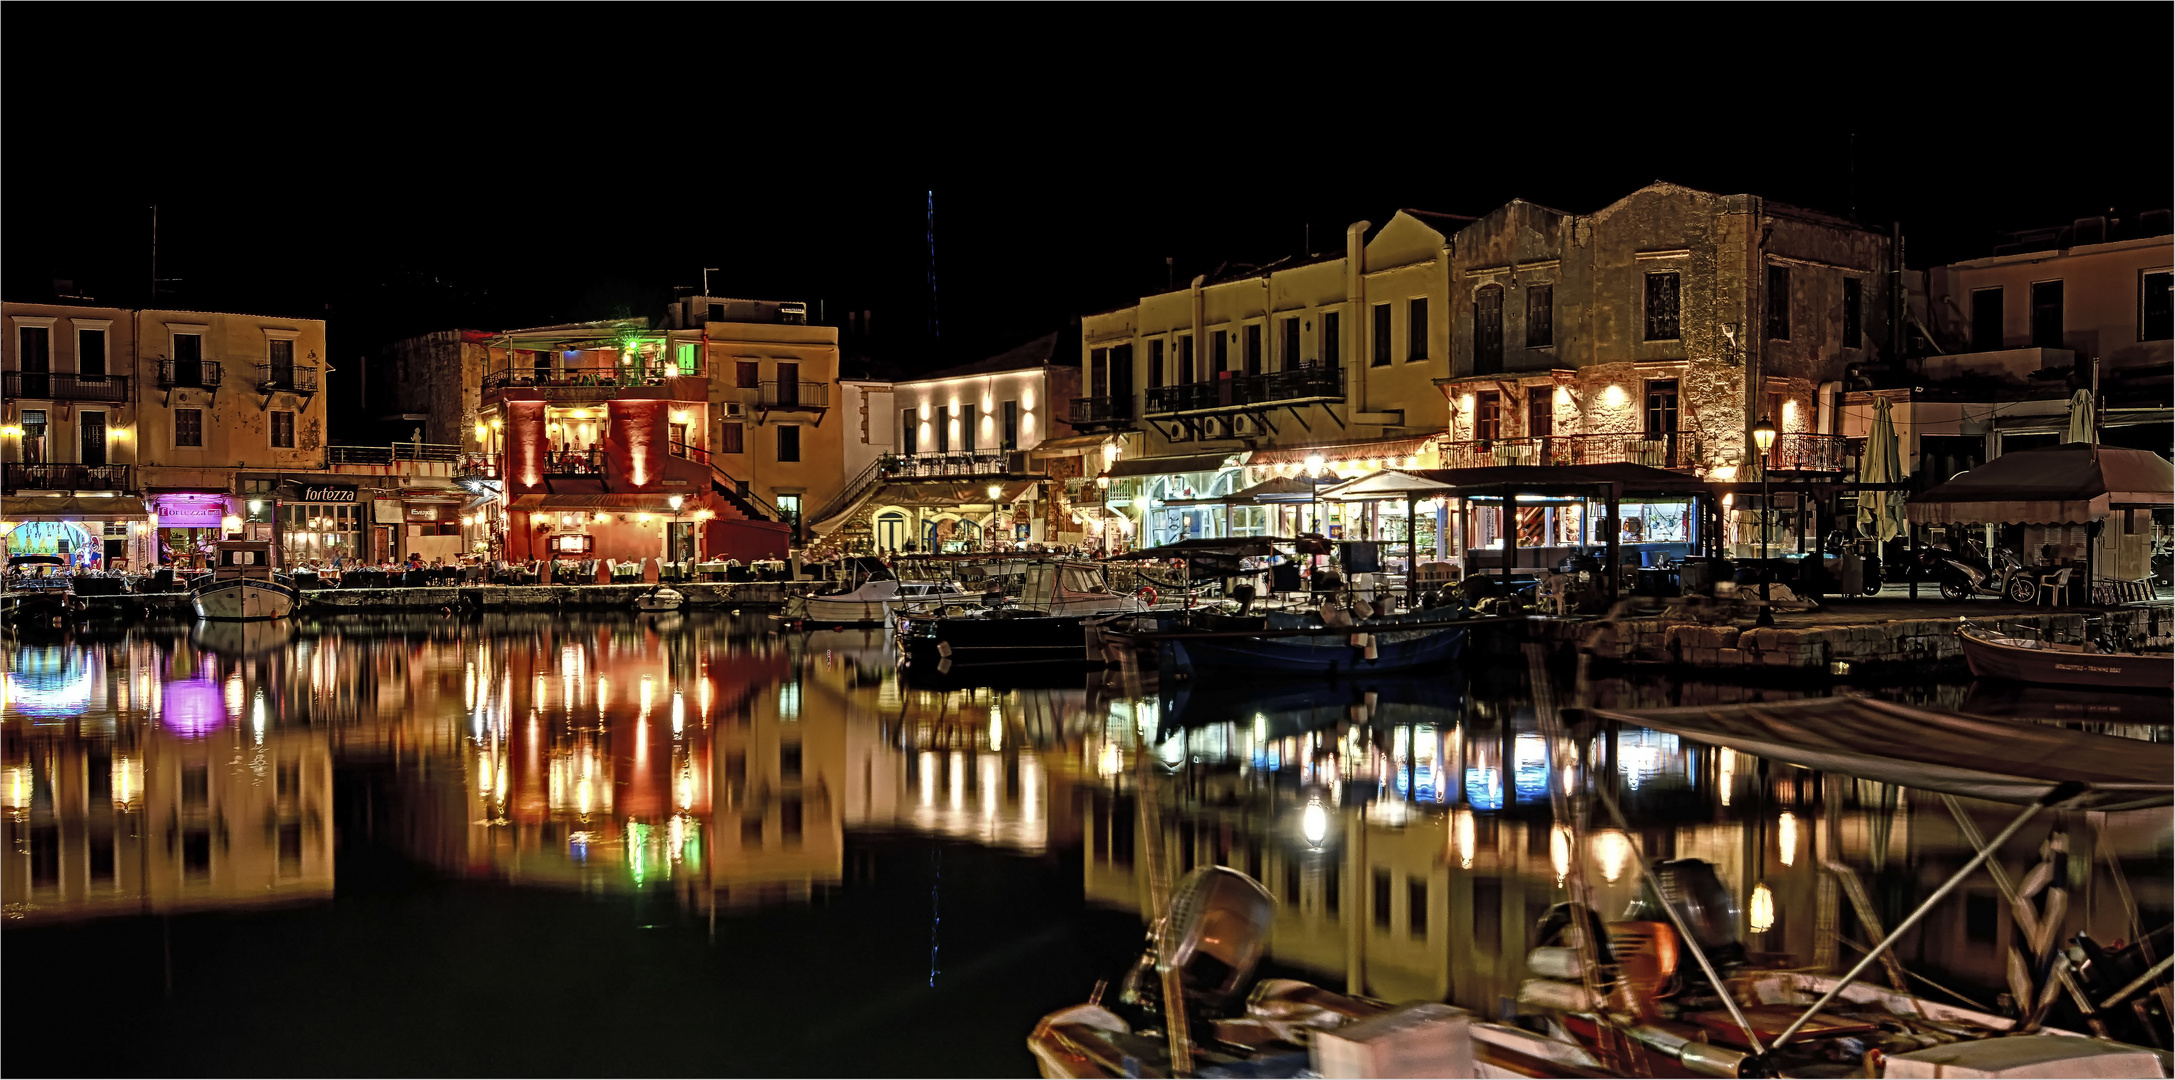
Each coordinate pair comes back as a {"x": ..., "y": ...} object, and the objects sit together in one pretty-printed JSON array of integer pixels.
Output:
[{"x": 439, "y": 376}]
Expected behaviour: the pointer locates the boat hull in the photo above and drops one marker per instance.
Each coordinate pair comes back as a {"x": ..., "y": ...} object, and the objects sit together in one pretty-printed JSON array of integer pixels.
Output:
[
  {"x": 1045, "y": 639},
  {"x": 832, "y": 611},
  {"x": 243, "y": 600},
  {"x": 1992, "y": 659},
  {"x": 1328, "y": 654}
]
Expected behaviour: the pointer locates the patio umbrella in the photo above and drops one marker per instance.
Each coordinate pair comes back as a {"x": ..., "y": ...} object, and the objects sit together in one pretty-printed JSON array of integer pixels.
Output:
[
  {"x": 1881, "y": 515},
  {"x": 2080, "y": 418}
]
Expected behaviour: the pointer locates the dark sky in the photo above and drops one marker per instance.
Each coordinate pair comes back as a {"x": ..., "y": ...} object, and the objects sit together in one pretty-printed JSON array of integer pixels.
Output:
[{"x": 397, "y": 176}]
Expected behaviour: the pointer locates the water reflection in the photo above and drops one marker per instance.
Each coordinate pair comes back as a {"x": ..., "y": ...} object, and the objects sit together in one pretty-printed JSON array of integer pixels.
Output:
[{"x": 1405, "y": 824}]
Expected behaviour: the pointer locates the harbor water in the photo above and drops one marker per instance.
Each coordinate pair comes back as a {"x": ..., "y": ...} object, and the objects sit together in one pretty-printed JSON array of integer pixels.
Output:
[{"x": 703, "y": 843}]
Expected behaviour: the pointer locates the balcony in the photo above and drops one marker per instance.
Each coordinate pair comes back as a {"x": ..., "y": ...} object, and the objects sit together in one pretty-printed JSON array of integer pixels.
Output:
[
  {"x": 575, "y": 463},
  {"x": 202, "y": 374},
  {"x": 68, "y": 476},
  {"x": 299, "y": 378},
  {"x": 1676, "y": 450},
  {"x": 964, "y": 463},
  {"x": 599, "y": 382},
  {"x": 475, "y": 465},
  {"x": 1803, "y": 452},
  {"x": 392, "y": 453},
  {"x": 1232, "y": 391},
  {"x": 783, "y": 396},
  {"x": 1101, "y": 411},
  {"x": 66, "y": 386}
]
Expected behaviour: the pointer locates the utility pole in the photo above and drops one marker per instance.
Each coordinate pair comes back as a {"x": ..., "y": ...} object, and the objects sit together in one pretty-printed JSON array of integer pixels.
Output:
[{"x": 706, "y": 271}]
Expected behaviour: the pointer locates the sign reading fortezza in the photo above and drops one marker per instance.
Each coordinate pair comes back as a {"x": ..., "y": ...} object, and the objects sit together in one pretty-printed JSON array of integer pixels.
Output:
[{"x": 329, "y": 493}]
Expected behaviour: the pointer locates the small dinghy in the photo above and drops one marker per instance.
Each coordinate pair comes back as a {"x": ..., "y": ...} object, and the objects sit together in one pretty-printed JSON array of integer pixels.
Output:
[{"x": 660, "y": 598}]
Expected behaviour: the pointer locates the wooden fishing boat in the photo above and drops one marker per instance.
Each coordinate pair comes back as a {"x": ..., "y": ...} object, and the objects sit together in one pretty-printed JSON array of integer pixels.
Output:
[
  {"x": 1046, "y": 625},
  {"x": 1298, "y": 644},
  {"x": 244, "y": 583},
  {"x": 2032, "y": 660}
]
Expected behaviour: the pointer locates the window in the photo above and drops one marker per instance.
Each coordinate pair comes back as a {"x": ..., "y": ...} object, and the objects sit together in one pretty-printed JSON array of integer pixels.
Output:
[
  {"x": 1661, "y": 306},
  {"x": 1778, "y": 303},
  {"x": 1253, "y": 349},
  {"x": 282, "y": 364},
  {"x": 1155, "y": 362},
  {"x": 684, "y": 353},
  {"x": 789, "y": 442},
  {"x": 188, "y": 427},
  {"x": 1540, "y": 412},
  {"x": 1121, "y": 377},
  {"x": 2156, "y": 306},
  {"x": 34, "y": 436},
  {"x": 789, "y": 384},
  {"x": 943, "y": 429},
  {"x": 1332, "y": 351},
  {"x": 91, "y": 353},
  {"x": 1853, "y": 313},
  {"x": 967, "y": 420},
  {"x": 790, "y": 507},
  {"x": 283, "y": 430},
  {"x": 1222, "y": 353},
  {"x": 290, "y": 848},
  {"x": 1291, "y": 342},
  {"x": 2047, "y": 314},
  {"x": 676, "y": 439},
  {"x": 1487, "y": 415},
  {"x": 1011, "y": 425},
  {"x": 1488, "y": 329},
  {"x": 1416, "y": 330},
  {"x": 1985, "y": 320},
  {"x": 909, "y": 432},
  {"x": 1098, "y": 372},
  {"x": 1540, "y": 316},
  {"x": 1185, "y": 359},
  {"x": 36, "y": 345},
  {"x": 1381, "y": 335},
  {"x": 1416, "y": 906},
  {"x": 749, "y": 374},
  {"x": 730, "y": 438},
  {"x": 1661, "y": 407},
  {"x": 1382, "y": 899}
]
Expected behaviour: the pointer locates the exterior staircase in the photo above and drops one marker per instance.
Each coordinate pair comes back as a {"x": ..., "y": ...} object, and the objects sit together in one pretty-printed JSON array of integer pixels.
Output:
[{"x": 850, "y": 500}]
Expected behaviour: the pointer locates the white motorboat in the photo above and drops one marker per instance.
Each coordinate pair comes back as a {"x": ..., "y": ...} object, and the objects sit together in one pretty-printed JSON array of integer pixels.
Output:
[
  {"x": 243, "y": 585},
  {"x": 661, "y": 598},
  {"x": 871, "y": 602}
]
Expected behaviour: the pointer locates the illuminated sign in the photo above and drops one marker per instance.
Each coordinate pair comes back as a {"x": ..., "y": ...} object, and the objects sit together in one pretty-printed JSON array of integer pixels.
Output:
[{"x": 328, "y": 493}]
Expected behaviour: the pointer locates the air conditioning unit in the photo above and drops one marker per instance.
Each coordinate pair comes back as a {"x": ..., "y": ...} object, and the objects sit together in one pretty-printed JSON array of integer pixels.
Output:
[
  {"x": 1245, "y": 426},
  {"x": 735, "y": 410}
]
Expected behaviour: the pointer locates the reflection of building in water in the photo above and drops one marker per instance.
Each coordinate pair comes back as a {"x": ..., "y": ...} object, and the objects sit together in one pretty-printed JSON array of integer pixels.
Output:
[
  {"x": 1419, "y": 891},
  {"x": 151, "y": 776}
]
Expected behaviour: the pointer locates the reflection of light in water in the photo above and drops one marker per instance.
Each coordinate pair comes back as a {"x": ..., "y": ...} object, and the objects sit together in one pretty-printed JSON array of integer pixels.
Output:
[
  {"x": 989, "y": 785},
  {"x": 996, "y": 729},
  {"x": 18, "y": 787},
  {"x": 192, "y": 707},
  {"x": 127, "y": 781},
  {"x": 1314, "y": 823},
  {"x": 483, "y": 774},
  {"x": 679, "y": 712},
  {"x": 675, "y": 836},
  {"x": 1727, "y": 778},
  {"x": 1030, "y": 788},
  {"x": 702, "y": 699},
  {"x": 234, "y": 695},
  {"x": 256, "y": 716},
  {"x": 541, "y": 691},
  {"x": 1484, "y": 786},
  {"x": 1173, "y": 750},
  {"x": 1763, "y": 909},
  {"x": 928, "y": 778},
  {"x": 581, "y": 796},
  {"x": 1614, "y": 852},
  {"x": 1786, "y": 835},
  {"x": 649, "y": 693},
  {"x": 48, "y": 682},
  {"x": 1559, "y": 851},
  {"x": 1108, "y": 764},
  {"x": 959, "y": 779},
  {"x": 468, "y": 687},
  {"x": 1530, "y": 757},
  {"x": 1144, "y": 716},
  {"x": 1463, "y": 834},
  {"x": 687, "y": 784},
  {"x": 604, "y": 693}
]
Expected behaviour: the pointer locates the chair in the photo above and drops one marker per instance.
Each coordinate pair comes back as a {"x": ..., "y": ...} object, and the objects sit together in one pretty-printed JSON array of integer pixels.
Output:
[{"x": 2053, "y": 584}]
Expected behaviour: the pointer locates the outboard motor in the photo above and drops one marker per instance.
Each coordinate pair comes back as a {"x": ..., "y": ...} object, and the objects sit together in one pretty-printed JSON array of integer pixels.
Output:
[{"x": 1214, "y": 936}]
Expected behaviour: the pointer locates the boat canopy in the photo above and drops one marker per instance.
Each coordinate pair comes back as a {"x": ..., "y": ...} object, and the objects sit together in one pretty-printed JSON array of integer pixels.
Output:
[
  {"x": 1954, "y": 753},
  {"x": 1239, "y": 547}
]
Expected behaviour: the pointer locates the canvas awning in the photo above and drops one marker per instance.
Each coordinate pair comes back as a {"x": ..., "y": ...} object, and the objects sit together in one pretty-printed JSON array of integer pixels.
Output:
[
  {"x": 1385, "y": 449},
  {"x": 2070, "y": 484},
  {"x": 1067, "y": 446},
  {"x": 1954, "y": 753},
  {"x": 1175, "y": 463},
  {"x": 1388, "y": 484},
  {"x": 73, "y": 507}
]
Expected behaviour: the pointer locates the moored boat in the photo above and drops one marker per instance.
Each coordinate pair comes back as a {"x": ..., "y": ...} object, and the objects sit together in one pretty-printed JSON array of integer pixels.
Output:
[
  {"x": 1048, "y": 624},
  {"x": 2033, "y": 660},
  {"x": 1281, "y": 643},
  {"x": 870, "y": 603},
  {"x": 660, "y": 598},
  {"x": 244, "y": 584}
]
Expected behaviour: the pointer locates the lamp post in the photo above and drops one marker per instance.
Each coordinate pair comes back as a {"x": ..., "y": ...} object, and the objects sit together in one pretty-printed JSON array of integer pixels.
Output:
[
  {"x": 1102, "y": 484},
  {"x": 990, "y": 541},
  {"x": 1763, "y": 434},
  {"x": 674, "y": 538}
]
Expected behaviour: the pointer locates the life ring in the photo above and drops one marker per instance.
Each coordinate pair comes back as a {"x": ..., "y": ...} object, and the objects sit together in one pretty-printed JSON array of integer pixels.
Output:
[{"x": 1147, "y": 594}]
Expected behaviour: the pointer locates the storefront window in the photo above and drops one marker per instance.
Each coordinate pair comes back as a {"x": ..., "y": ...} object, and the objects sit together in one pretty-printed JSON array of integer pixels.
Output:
[{"x": 1657, "y": 523}]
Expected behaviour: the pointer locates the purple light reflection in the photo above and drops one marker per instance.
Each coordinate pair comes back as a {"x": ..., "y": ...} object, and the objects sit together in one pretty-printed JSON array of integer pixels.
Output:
[{"x": 192, "y": 708}]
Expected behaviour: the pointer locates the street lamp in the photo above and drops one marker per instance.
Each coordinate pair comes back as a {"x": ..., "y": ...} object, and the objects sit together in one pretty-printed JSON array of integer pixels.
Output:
[
  {"x": 674, "y": 538},
  {"x": 989, "y": 534},
  {"x": 1763, "y": 433}
]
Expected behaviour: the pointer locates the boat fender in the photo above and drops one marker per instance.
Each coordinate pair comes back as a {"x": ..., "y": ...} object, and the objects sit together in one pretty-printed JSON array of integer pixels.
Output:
[
  {"x": 1147, "y": 594},
  {"x": 1371, "y": 653},
  {"x": 944, "y": 649}
]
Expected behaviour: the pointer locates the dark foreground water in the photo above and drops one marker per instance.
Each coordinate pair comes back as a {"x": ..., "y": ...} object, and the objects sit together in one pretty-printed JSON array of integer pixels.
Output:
[{"x": 693, "y": 845}]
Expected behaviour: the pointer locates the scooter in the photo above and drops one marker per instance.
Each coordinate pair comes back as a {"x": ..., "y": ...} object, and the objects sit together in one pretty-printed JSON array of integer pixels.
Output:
[{"x": 1964, "y": 575}]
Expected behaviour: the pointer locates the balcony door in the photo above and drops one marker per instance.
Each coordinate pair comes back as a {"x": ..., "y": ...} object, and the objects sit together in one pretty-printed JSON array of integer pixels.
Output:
[
  {"x": 36, "y": 345},
  {"x": 188, "y": 360},
  {"x": 92, "y": 425},
  {"x": 1661, "y": 417},
  {"x": 789, "y": 384}
]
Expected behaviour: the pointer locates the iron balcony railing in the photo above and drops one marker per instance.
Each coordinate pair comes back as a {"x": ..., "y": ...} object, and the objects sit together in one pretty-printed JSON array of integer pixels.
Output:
[
  {"x": 961, "y": 463},
  {"x": 392, "y": 453},
  {"x": 1101, "y": 410},
  {"x": 298, "y": 377},
  {"x": 601, "y": 377},
  {"x": 66, "y": 386},
  {"x": 1668, "y": 450},
  {"x": 475, "y": 465},
  {"x": 796, "y": 395},
  {"x": 66, "y": 476},
  {"x": 1801, "y": 451},
  {"x": 197, "y": 373},
  {"x": 1233, "y": 390}
]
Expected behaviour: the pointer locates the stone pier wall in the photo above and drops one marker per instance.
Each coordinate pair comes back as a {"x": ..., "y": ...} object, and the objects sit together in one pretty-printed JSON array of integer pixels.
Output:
[
  {"x": 1669, "y": 639},
  {"x": 753, "y": 594}
]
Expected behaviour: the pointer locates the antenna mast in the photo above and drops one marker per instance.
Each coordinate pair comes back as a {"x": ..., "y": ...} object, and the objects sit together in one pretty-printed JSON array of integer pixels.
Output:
[{"x": 931, "y": 222}]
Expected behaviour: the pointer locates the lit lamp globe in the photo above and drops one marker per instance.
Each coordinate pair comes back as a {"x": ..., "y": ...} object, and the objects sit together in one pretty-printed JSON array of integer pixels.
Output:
[
  {"x": 676, "y": 500},
  {"x": 1763, "y": 434},
  {"x": 1315, "y": 463},
  {"x": 1103, "y": 481},
  {"x": 995, "y": 491},
  {"x": 1314, "y": 823}
]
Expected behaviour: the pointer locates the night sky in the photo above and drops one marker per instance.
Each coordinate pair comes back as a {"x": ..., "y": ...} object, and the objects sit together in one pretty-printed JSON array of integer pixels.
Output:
[{"x": 396, "y": 177}]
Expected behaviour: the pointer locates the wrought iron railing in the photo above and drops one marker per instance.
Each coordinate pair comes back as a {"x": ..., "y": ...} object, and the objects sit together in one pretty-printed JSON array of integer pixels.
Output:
[
  {"x": 66, "y": 476},
  {"x": 197, "y": 373},
  {"x": 600, "y": 377},
  {"x": 391, "y": 453},
  {"x": 574, "y": 463},
  {"x": 964, "y": 463},
  {"x": 796, "y": 395},
  {"x": 1800, "y": 451},
  {"x": 1235, "y": 390},
  {"x": 66, "y": 386},
  {"x": 1101, "y": 410},
  {"x": 1674, "y": 450},
  {"x": 298, "y": 377}
]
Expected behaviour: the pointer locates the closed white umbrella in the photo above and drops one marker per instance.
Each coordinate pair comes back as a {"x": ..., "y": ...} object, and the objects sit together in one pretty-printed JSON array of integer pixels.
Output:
[
  {"x": 1880, "y": 513},
  {"x": 2080, "y": 418}
]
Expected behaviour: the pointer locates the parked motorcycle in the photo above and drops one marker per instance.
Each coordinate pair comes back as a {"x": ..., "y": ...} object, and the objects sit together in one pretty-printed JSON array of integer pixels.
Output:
[{"x": 1965, "y": 575}]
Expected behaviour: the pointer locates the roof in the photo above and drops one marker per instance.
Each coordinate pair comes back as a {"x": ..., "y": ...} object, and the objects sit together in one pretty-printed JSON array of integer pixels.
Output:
[
  {"x": 1176, "y": 463},
  {"x": 2072, "y": 483},
  {"x": 1954, "y": 753},
  {"x": 1539, "y": 478},
  {"x": 1041, "y": 352},
  {"x": 71, "y": 507}
]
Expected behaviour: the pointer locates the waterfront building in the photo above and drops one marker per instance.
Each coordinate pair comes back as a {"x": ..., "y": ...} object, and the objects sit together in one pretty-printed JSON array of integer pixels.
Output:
[
  {"x": 126, "y": 429},
  {"x": 968, "y": 458}
]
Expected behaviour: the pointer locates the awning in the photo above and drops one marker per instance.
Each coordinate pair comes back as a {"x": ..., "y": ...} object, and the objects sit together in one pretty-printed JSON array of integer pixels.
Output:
[
  {"x": 1240, "y": 547},
  {"x": 1175, "y": 463},
  {"x": 1067, "y": 446},
  {"x": 621, "y": 504},
  {"x": 1394, "y": 449},
  {"x": 1389, "y": 484},
  {"x": 74, "y": 507},
  {"x": 2073, "y": 483},
  {"x": 947, "y": 491},
  {"x": 1954, "y": 753}
]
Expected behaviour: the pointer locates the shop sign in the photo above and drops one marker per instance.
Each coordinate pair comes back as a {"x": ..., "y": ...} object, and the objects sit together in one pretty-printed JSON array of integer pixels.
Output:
[
  {"x": 190, "y": 511},
  {"x": 422, "y": 511},
  {"x": 328, "y": 493}
]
